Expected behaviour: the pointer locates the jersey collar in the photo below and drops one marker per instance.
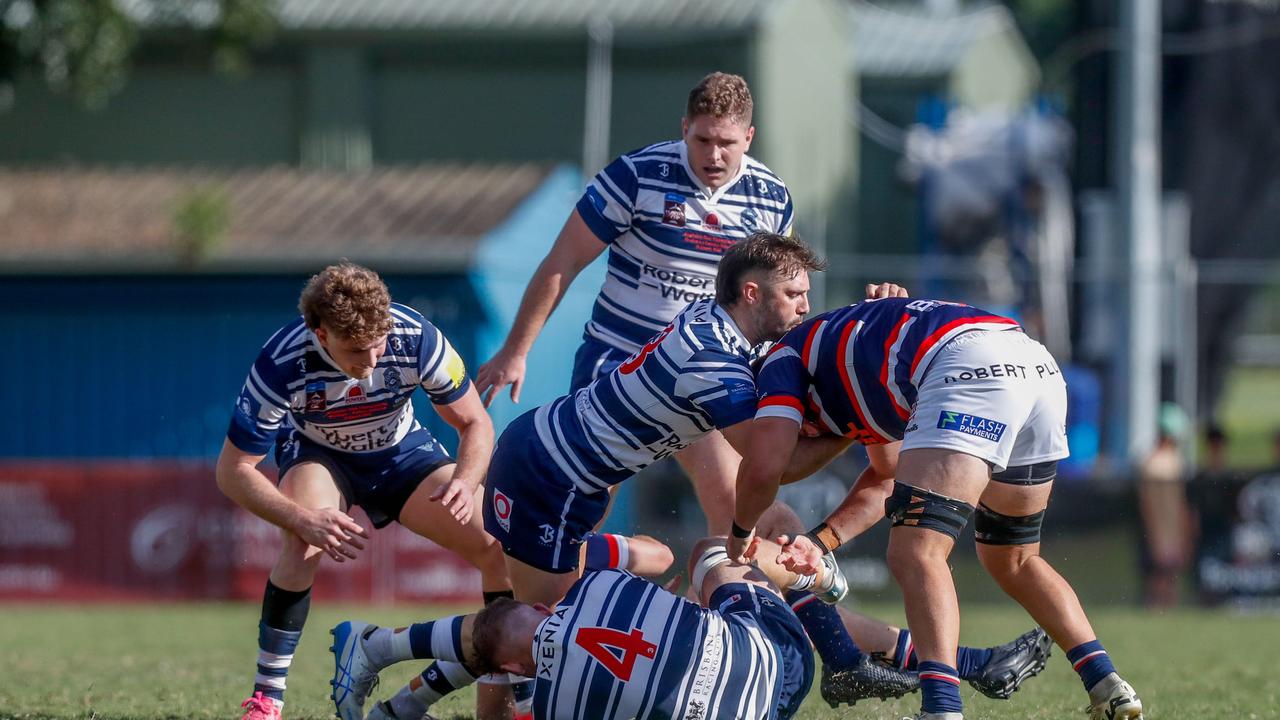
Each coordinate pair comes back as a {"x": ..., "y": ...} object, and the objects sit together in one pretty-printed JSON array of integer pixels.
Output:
[
  {"x": 733, "y": 326},
  {"x": 324, "y": 354},
  {"x": 705, "y": 191}
]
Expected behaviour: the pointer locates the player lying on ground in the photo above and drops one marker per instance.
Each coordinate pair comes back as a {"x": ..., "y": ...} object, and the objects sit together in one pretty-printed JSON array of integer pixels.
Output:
[
  {"x": 330, "y": 393},
  {"x": 979, "y": 410},
  {"x": 848, "y": 674},
  {"x": 619, "y": 646}
]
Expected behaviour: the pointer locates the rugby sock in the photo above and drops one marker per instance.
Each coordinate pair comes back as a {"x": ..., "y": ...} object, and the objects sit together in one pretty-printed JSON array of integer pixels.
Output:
[
  {"x": 284, "y": 612},
  {"x": 939, "y": 688},
  {"x": 1091, "y": 662},
  {"x": 969, "y": 661},
  {"x": 825, "y": 629},
  {"x": 423, "y": 691},
  {"x": 605, "y": 551}
]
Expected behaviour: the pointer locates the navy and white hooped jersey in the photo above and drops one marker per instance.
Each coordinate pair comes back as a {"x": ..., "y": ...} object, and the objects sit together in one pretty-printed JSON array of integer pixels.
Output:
[
  {"x": 689, "y": 379},
  {"x": 295, "y": 383},
  {"x": 856, "y": 370},
  {"x": 666, "y": 232},
  {"x": 619, "y": 646}
]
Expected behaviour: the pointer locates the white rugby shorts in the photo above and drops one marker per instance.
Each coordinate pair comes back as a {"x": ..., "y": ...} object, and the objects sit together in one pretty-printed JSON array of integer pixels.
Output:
[{"x": 996, "y": 395}]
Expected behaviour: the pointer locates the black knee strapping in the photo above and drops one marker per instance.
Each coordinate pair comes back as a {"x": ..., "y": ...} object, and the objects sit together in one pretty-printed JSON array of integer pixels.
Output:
[
  {"x": 914, "y": 507},
  {"x": 992, "y": 528},
  {"x": 1035, "y": 474}
]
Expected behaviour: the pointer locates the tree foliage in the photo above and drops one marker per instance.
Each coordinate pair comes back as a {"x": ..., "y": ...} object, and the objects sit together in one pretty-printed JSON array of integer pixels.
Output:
[{"x": 83, "y": 47}]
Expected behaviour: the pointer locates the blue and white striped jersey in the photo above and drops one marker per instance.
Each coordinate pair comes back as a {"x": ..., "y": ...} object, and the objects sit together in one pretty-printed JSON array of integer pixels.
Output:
[
  {"x": 619, "y": 646},
  {"x": 691, "y": 378},
  {"x": 294, "y": 383},
  {"x": 666, "y": 232}
]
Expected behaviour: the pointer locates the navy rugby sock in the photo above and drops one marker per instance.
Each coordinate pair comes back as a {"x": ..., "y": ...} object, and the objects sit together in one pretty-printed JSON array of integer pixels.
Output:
[
  {"x": 284, "y": 612},
  {"x": 939, "y": 688},
  {"x": 825, "y": 629},
  {"x": 1091, "y": 662},
  {"x": 969, "y": 661}
]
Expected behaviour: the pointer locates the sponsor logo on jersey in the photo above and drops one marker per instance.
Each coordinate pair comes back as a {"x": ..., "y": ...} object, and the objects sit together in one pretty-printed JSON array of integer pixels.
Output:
[
  {"x": 750, "y": 219},
  {"x": 729, "y": 601},
  {"x": 673, "y": 210},
  {"x": 354, "y": 394},
  {"x": 596, "y": 199},
  {"x": 711, "y": 222},
  {"x": 245, "y": 407},
  {"x": 971, "y": 425},
  {"x": 315, "y": 397},
  {"x": 456, "y": 368},
  {"x": 502, "y": 509}
]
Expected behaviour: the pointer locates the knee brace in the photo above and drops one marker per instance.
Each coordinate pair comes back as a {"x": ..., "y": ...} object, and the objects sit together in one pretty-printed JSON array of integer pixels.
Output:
[
  {"x": 710, "y": 559},
  {"x": 992, "y": 528},
  {"x": 914, "y": 507}
]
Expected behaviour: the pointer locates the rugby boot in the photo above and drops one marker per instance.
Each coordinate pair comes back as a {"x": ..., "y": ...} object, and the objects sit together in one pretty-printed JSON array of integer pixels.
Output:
[
  {"x": 833, "y": 579},
  {"x": 1114, "y": 699},
  {"x": 260, "y": 707},
  {"x": 937, "y": 716},
  {"x": 866, "y": 679},
  {"x": 354, "y": 676},
  {"x": 1012, "y": 663}
]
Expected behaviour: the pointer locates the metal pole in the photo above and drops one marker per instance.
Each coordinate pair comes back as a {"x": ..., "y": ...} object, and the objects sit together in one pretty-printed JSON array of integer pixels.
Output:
[
  {"x": 595, "y": 136},
  {"x": 1137, "y": 177}
]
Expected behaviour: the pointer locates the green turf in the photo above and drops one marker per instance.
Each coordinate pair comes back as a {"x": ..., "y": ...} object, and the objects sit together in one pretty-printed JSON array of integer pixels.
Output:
[
  {"x": 1251, "y": 416},
  {"x": 196, "y": 661}
]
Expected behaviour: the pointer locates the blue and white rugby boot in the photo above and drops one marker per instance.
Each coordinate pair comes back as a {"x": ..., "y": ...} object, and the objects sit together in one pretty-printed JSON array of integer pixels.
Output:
[{"x": 354, "y": 676}]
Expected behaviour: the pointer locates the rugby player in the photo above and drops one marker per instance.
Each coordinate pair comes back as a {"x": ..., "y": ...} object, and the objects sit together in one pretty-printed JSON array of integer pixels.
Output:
[
  {"x": 963, "y": 414},
  {"x": 330, "y": 393},
  {"x": 666, "y": 214}
]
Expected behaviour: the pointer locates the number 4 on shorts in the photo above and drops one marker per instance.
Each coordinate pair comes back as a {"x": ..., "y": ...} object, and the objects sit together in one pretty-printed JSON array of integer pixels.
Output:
[{"x": 599, "y": 640}]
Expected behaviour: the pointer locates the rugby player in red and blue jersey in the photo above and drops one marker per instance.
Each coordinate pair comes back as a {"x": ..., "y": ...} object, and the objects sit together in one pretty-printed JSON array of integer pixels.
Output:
[{"x": 962, "y": 414}]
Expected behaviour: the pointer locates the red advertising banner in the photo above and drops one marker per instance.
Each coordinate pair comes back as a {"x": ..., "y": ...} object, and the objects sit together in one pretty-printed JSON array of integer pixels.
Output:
[{"x": 118, "y": 531}]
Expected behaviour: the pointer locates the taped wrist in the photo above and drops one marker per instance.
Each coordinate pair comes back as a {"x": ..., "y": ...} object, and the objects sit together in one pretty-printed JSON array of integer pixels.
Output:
[
  {"x": 739, "y": 531},
  {"x": 825, "y": 537},
  {"x": 915, "y": 507},
  {"x": 710, "y": 559}
]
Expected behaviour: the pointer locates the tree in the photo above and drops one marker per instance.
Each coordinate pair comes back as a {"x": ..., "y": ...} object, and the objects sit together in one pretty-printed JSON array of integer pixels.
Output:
[{"x": 83, "y": 47}]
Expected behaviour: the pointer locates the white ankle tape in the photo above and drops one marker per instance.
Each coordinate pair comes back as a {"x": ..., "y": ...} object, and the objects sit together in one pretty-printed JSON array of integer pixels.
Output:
[{"x": 712, "y": 558}]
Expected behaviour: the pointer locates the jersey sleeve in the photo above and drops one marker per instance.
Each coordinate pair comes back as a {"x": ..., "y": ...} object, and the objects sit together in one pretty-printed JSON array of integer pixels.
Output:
[
  {"x": 440, "y": 367},
  {"x": 782, "y": 384},
  {"x": 722, "y": 388},
  {"x": 609, "y": 202},
  {"x": 261, "y": 407},
  {"x": 786, "y": 226}
]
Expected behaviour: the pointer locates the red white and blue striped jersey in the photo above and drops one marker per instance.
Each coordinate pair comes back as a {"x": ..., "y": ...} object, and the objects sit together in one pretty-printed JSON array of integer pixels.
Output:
[
  {"x": 294, "y": 383},
  {"x": 856, "y": 370},
  {"x": 619, "y": 646},
  {"x": 689, "y": 379},
  {"x": 666, "y": 232}
]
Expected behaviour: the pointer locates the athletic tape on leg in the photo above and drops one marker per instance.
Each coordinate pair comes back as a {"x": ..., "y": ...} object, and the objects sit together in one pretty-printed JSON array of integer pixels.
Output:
[
  {"x": 710, "y": 559},
  {"x": 915, "y": 507},
  {"x": 993, "y": 528}
]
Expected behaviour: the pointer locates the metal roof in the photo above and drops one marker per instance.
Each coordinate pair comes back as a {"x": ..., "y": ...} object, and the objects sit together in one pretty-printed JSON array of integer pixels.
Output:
[
  {"x": 691, "y": 16},
  {"x": 426, "y": 217},
  {"x": 907, "y": 41}
]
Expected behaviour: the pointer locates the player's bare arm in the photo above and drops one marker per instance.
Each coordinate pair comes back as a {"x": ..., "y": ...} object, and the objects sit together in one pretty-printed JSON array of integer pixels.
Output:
[
  {"x": 767, "y": 448},
  {"x": 860, "y": 509},
  {"x": 574, "y": 249},
  {"x": 467, "y": 416},
  {"x": 329, "y": 529}
]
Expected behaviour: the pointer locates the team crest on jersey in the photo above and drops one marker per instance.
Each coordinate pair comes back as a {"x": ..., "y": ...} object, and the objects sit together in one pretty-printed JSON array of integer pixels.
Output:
[
  {"x": 397, "y": 345},
  {"x": 391, "y": 379},
  {"x": 548, "y": 534},
  {"x": 750, "y": 219},
  {"x": 502, "y": 506},
  {"x": 673, "y": 210},
  {"x": 315, "y": 397}
]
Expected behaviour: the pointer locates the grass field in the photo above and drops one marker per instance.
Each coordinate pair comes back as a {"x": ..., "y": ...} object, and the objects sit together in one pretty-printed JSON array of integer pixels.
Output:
[{"x": 196, "y": 661}]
